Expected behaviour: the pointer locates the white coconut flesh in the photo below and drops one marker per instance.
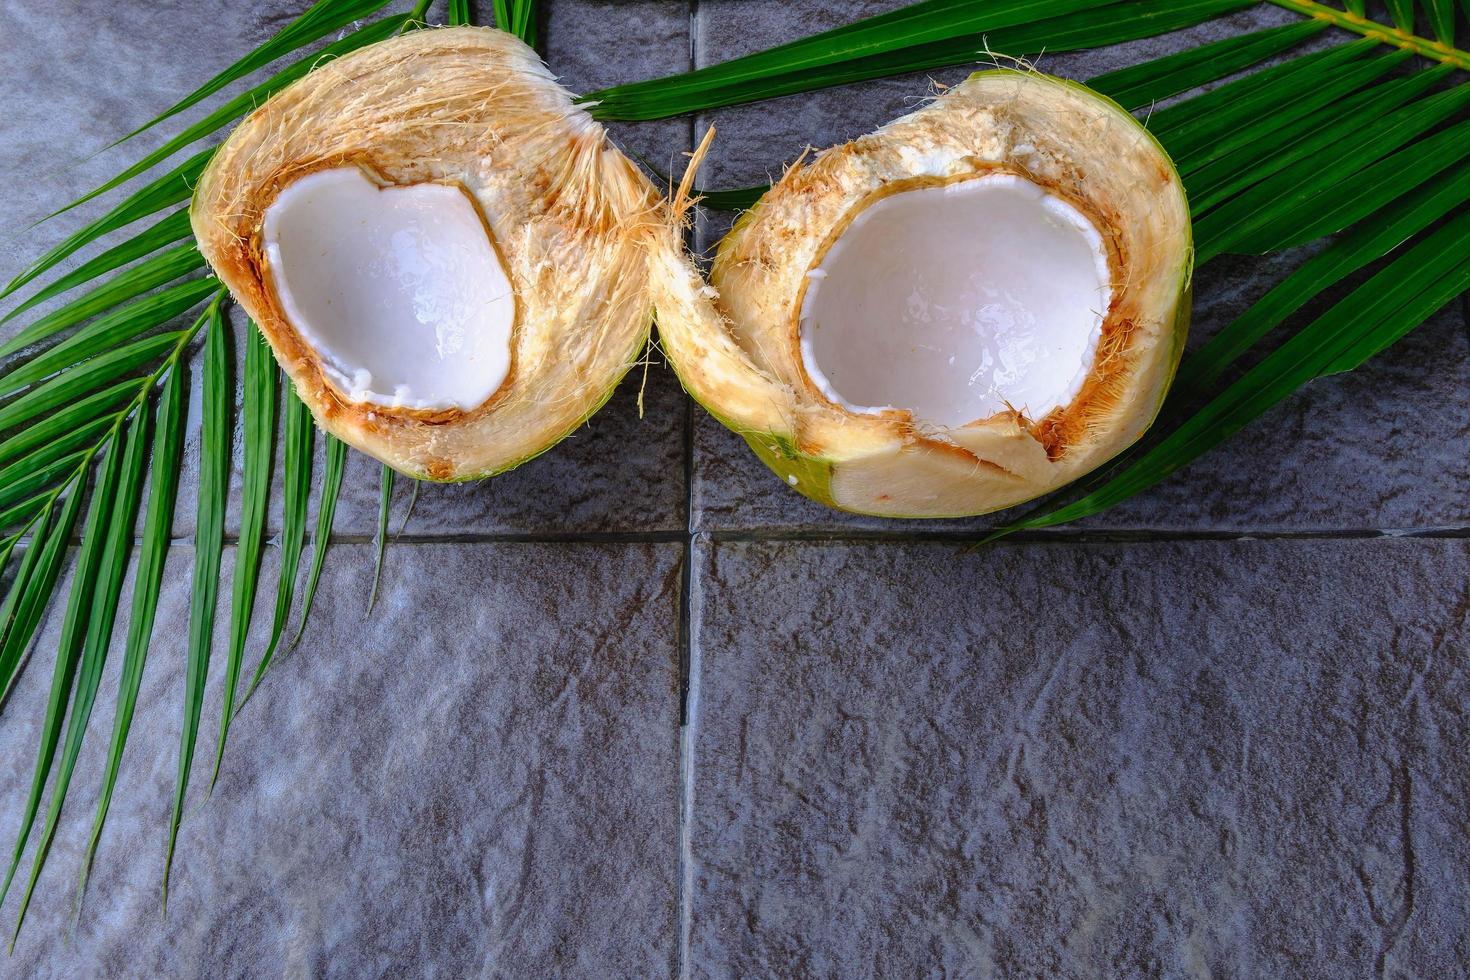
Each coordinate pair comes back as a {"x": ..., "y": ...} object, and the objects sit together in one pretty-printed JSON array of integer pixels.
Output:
[
  {"x": 957, "y": 302},
  {"x": 399, "y": 290}
]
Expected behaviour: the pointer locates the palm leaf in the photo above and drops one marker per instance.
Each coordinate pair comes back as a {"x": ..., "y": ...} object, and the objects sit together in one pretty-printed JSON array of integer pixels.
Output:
[
  {"x": 259, "y": 413},
  {"x": 168, "y": 447},
  {"x": 86, "y": 378},
  {"x": 293, "y": 521},
  {"x": 1139, "y": 86},
  {"x": 922, "y": 36},
  {"x": 95, "y": 610},
  {"x": 1390, "y": 304},
  {"x": 245, "y": 101},
  {"x": 214, "y": 477},
  {"x": 78, "y": 413},
  {"x": 161, "y": 193},
  {"x": 106, "y": 333},
  {"x": 1364, "y": 245},
  {"x": 1227, "y": 176},
  {"x": 171, "y": 229},
  {"x": 73, "y": 637},
  {"x": 319, "y": 20},
  {"x": 141, "y": 278},
  {"x": 380, "y": 541},
  {"x": 322, "y": 536}
]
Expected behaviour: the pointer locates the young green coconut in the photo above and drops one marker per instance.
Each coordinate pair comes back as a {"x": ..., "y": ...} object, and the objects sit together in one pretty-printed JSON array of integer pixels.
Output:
[
  {"x": 970, "y": 307},
  {"x": 446, "y": 254}
]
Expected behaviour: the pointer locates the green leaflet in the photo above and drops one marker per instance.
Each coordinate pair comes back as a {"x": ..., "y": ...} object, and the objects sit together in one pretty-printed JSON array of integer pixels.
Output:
[
  {"x": 171, "y": 229},
  {"x": 1227, "y": 176},
  {"x": 107, "y": 332},
  {"x": 77, "y": 413},
  {"x": 1303, "y": 201},
  {"x": 214, "y": 483},
  {"x": 319, "y": 20},
  {"x": 163, "y": 192},
  {"x": 11, "y": 651},
  {"x": 326, "y": 512},
  {"x": 1138, "y": 86},
  {"x": 385, "y": 499},
  {"x": 293, "y": 521},
  {"x": 259, "y": 414},
  {"x": 120, "y": 489},
  {"x": 914, "y": 38},
  {"x": 168, "y": 450},
  {"x": 44, "y": 476},
  {"x": 1390, "y": 304},
  {"x": 248, "y": 100},
  {"x": 1195, "y": 146},
  {"x": 141, "y": 278},
  {"x": 85, "y": 379},
  {"x": 70, "y": 645},
  {"x": 70, "y": 441}
]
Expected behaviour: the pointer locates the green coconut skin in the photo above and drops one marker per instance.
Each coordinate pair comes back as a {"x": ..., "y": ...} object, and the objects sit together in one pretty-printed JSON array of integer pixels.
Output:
[
  {"x": 597, "y": 406},
  {"x": 811, "y": 476}
]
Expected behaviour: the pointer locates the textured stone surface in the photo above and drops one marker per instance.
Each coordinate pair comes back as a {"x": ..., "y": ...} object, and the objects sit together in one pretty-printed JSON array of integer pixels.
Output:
[
  {"x": 480, "y": 777},
  {"x": 1176, "y": 758},
  {"x": 1233, "y": 759}
]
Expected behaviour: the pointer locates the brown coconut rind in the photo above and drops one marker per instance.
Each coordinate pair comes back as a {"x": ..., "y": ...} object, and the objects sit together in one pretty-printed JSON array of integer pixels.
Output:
[
  {"x": 736, "y": 346},
  {"x": 569, "y": 213}
]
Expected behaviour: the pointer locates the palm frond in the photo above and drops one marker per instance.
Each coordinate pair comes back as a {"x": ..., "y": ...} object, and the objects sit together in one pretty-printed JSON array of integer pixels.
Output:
[
  {"x": 259, "y": 414},
  {"x": 161, "y": 193},
  {"x": 245, "y": 101},
  {"x": 322, "y": 537},
  {"x": 115, "y": 505},
  {"x": 922, "y": 36},
  {"x": 1399, "y": 298},
  {"x": 70, "y": 646},
  {"x": 319, "y": 20},
  {"x": 168, "y": 448},
  {"x": 214, "y": 485},
  {"x": 380, "y": 542},
  {"x": 173, "y": 228},
  {"x": 293, "y": 521}
]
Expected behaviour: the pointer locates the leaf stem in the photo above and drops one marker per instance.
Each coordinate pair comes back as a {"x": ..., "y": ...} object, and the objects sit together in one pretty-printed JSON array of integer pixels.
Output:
[{"x": 1383, "y": 33}]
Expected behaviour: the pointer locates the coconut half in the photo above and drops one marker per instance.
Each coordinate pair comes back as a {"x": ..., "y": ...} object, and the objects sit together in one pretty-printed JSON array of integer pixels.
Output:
[
  {"x": 968, "y": 308},
  {"x": 446, "y": 255}
]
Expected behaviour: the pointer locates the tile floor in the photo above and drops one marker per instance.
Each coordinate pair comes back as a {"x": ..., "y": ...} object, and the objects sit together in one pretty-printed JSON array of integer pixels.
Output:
[{"x": 636, "y": 709}]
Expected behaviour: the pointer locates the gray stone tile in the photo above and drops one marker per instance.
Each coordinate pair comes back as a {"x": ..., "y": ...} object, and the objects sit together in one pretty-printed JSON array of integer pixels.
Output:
[
  {"x": 478, "y": 778},
  {"x": 1217, "y": 758},
  {"x": 1385, "y": 447}
]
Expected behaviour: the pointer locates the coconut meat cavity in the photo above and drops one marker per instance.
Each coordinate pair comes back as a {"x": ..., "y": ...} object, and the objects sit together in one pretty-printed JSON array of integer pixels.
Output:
[
  {"x": 399, "y": 290},
  {"x": 957, "y": 302}
]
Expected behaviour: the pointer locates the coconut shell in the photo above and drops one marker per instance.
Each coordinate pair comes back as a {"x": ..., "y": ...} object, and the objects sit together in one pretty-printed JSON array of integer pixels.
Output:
[
  {"x": 569, "y": 213},
  {"x": 736, "y": 346}
]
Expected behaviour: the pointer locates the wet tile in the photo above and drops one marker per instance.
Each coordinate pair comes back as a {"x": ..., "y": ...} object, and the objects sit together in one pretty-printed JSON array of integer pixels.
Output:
[
  {"x": 478, "y": 777},
  {"x": 1215, "y": 758}
]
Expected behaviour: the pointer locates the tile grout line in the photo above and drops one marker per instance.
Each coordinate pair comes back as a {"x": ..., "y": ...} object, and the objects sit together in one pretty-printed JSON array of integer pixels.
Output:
[
  {"x": 880, "y": 535},
  {"x": 683, "y": 868}
]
